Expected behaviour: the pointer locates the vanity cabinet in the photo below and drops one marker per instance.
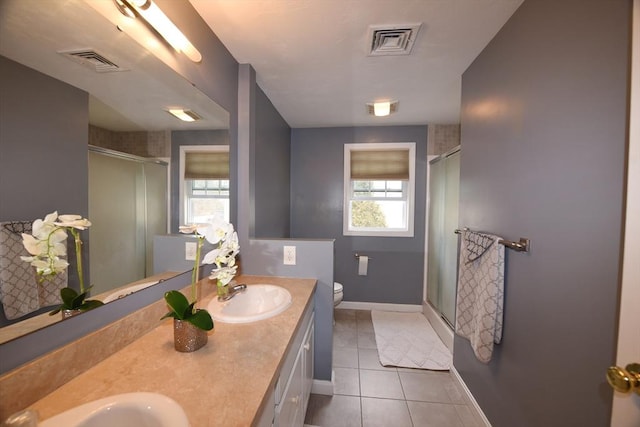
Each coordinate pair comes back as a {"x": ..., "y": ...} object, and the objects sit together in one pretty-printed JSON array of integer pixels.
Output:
[{"x": 293, "y": 387}]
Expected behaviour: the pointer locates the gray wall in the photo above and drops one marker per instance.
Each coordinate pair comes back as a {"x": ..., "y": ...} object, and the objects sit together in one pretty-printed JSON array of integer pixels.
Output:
[
  {"x": 271, "y": 173},
  {"x": 44, "y": 125},
  {"x": 188, "y": 137},
  {"x": 544, "y": 120},
  {"x": 314, "y": 259},
  {"x": 395, "y": 273}
]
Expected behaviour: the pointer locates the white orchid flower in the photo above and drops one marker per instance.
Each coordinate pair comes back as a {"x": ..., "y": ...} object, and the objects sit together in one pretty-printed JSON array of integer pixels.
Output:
[
  {"x": 73, "y": 221},
  {"x": 217, "y": 231},
  {"x": 224, "y": 275}
]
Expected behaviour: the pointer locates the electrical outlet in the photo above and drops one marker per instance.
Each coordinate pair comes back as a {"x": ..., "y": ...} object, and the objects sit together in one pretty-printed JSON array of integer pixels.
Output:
[
  {"x": 289, "y": 255},
  {"x": 190, "y": 251}
]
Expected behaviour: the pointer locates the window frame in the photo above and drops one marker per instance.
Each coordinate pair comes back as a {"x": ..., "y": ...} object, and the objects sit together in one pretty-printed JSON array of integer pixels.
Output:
[
  {"x": 348, "y": 190},
  {"x": 184, "y": 149}
]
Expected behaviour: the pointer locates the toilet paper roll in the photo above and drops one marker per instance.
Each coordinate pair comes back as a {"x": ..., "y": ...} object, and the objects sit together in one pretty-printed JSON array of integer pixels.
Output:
[{"x": 363, "y": 264}]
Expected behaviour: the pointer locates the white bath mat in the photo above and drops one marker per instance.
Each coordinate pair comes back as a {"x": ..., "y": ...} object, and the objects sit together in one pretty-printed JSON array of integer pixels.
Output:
[{"x": 407, "y": 340}]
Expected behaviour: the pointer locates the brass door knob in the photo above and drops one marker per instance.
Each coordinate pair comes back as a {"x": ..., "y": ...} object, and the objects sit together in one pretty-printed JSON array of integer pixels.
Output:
[{"x": 625, "y": 380}]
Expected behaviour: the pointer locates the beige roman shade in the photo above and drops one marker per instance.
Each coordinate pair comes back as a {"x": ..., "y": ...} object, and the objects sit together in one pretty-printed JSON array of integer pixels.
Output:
[
  {"x": 206, "y": 165},
  {"x": 380, "y": 164}
]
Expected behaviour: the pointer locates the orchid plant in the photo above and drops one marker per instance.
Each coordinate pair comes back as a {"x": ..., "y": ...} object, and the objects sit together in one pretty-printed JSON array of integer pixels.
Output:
[
  {"x": 221, "y": 234},
  {"x": 48, "y": 249}
]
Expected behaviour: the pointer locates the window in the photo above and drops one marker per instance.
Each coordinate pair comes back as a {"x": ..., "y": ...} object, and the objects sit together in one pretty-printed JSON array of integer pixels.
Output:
[
  {"x": 379, "y": 189},
  {"x": 204, "y": 186}
]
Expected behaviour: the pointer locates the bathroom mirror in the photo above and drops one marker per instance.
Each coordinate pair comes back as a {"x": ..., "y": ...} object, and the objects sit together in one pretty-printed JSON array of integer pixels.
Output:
[{"x": 129, "y": 89}]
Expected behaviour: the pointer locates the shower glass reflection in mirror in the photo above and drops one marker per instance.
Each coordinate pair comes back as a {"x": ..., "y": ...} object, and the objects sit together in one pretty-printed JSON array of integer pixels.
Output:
[{"x": 204, "y": 183}]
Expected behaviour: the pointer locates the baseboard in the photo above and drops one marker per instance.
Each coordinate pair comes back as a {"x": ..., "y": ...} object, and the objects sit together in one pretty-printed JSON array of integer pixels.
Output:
[
  {"x": 441, "y": 327},
  {"x": 323, "y": 386},
  {"x": 481, "y": 416},
  {"x": 354, "y": 305}
]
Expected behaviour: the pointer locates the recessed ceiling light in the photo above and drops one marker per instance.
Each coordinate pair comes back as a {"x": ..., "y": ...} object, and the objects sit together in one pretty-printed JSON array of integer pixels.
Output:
[
  {"x": 184, "y": 115},
  {"x": 382, "y": 108}
]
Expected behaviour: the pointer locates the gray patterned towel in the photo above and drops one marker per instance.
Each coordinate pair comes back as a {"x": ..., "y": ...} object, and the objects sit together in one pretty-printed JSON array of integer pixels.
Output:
[
  {"x": 480, "y": 298},
  {"x": 19, "y": 289}
]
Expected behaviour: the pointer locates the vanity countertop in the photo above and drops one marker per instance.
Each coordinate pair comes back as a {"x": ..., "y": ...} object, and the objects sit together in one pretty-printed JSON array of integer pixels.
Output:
[{"x": 222, "y": 384}]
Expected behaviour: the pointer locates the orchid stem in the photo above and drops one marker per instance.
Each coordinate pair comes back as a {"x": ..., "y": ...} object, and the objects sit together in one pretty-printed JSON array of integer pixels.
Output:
[
  {"x": 195, "y": 275},
  {"x": 76, "y": 237}
]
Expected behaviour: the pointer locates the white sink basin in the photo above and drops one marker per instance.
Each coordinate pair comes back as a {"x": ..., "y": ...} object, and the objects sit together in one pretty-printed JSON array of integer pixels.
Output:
[
  {"x": 128, "y": 290},
  {"x": 257, "y": 302},
  {"x": 123, "y": 410}
]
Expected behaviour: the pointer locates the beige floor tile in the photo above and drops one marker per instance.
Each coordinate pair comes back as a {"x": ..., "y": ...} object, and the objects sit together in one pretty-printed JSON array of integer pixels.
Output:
[
  {"x": 366, "y": 340},
  {"x": 469, "y": 416},
  {"x": 368, "y": 359},
  {"x": 365, "y": 326},
  {"x": 345, "y": 357},
  {"x": 382, "y": 384},
  {"x": 334, "y": 411},
  {"x": 347, "y": 381},
  {"x": 345, "y": 338},
  {"x": 363, "y": 315},
  {"x": 426, "y": 414},
  {"x": 343, "y": 314},
  {"x": 385, "y": 413},
  {"x": 426, "y": 386}
]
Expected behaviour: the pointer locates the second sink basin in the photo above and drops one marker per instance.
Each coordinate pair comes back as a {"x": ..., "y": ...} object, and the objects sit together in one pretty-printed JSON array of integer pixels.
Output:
[
  {"x": 123, "y": 410},
  {"x": 257, "y": 302}
]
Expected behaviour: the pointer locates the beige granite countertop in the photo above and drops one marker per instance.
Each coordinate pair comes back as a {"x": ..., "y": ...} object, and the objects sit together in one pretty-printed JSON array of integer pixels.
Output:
[{"x": 222, "y": 384}]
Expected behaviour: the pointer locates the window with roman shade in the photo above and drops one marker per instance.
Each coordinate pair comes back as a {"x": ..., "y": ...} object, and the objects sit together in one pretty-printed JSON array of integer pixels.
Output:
[
  {"x": 204, "y": 172},
  {"x": 379, "y": 189}
]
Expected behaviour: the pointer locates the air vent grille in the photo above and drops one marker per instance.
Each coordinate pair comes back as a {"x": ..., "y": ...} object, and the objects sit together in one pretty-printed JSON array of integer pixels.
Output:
[
  {"x": 392, "y": 40},
  {"x": 92, "y": 59}
]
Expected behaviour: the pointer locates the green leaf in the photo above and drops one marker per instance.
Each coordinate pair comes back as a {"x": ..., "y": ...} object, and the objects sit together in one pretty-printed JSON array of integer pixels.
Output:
[
  {"x": 169, "y": 314},
  {"x": 177, "y": 303},
  {"x": 68, "y": 295},
  {"x": 78, "y": 301},
  {"x": 90, "y": 304},
  {"x": 201, "y": 319},
  {"x": 188, "y": 312}
]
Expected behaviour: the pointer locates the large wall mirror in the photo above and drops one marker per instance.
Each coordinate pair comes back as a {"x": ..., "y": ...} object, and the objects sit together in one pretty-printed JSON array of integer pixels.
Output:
[{"x": 71, "y": 79}]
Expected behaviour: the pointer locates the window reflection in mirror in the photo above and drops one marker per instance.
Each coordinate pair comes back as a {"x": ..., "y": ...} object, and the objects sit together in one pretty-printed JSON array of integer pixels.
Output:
[{"x": 204, "y": 183}]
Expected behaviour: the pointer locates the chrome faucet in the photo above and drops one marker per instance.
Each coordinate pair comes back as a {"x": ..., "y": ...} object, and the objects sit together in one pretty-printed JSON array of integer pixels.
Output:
[{"x": 233, "y": 290}]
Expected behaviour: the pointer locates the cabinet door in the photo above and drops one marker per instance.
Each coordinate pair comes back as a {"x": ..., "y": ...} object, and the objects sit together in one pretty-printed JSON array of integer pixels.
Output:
[
  {"x": 307, "y": 381},
  {"x": 289, "y": 412}
]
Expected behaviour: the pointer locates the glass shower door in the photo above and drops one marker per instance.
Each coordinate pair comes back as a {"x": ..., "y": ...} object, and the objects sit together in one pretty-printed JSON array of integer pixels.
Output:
[{"x": 442, "y": 267}]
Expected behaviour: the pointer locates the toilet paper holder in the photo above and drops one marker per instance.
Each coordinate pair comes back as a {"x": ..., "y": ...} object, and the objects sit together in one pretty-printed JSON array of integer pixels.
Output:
[{"x": 357, "y": 255}]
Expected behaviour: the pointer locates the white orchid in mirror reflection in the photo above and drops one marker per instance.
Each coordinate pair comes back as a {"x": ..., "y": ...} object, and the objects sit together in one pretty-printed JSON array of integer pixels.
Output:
[{"x": 47, "y": 246}]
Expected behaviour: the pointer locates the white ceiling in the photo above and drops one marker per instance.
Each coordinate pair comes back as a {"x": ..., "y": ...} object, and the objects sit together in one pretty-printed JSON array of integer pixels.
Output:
[{"x": 311, "y": 60}]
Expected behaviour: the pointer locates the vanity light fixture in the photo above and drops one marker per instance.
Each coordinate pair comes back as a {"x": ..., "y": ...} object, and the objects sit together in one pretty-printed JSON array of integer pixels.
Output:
[
  {"x": 152, "y": 14},
  {"x": 382, "y": 108},
  {"x": 184, "y": 115}
]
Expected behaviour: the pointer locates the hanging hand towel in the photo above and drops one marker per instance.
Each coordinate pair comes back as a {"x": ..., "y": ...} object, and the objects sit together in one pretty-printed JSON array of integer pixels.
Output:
[
  {"x": 480, "y": 297},
  {"x": 19, "y": 289}
]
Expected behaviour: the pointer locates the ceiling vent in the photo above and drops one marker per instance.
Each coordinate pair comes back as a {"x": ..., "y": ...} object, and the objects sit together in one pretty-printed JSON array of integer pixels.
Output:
[
  {"x": 392, "y": 39},
  {"x": 92, "y": 59}
]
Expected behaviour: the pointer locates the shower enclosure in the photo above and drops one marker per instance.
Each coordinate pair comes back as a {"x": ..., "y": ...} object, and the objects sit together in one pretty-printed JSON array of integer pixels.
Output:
[
  {"x": 127, "y": 207},
  {"x": 442, "y": 249}
]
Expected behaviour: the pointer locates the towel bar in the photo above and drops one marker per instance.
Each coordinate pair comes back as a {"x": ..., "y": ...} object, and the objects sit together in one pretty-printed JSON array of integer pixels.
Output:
[{"x": 523, "y": 245}]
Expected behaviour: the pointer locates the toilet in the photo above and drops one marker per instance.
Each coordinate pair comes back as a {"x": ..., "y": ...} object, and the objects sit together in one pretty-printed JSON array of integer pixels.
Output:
[{"x": 337, "y": 293}]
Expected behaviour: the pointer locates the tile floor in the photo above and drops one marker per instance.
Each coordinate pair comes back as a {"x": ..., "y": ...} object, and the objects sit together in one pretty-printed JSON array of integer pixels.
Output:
[{"x": 367, "y": 394}]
